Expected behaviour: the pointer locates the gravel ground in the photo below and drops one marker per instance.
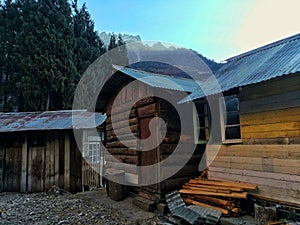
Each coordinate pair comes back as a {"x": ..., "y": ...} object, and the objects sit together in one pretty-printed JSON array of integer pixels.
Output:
[{"x": 58, "y": 207}]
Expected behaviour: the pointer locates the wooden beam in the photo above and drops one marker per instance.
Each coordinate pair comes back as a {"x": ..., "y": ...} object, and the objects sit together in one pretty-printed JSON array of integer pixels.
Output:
[
  {"x": 223, "y": 202},
  {"x": 242, "y": 195},
  {"x": 24, "y": 165},
  {"x": 237, "y": 189},
  {"x": 190, "y": 201},
  {"x": 227, "y": 184},
  {"x": 206, "y": 189},
  {"x": 67, "y": 173}
]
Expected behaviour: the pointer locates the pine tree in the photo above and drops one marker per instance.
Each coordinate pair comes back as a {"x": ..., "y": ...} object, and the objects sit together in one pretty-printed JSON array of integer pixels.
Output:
[
  {"x": 88, "y": 45},
  {"x": 46, "y": 73},
  {"x": 9, "y": 28}
]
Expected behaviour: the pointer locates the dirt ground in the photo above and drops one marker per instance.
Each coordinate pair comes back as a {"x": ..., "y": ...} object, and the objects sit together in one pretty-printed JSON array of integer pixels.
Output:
[{"x": 93, "y": 207}]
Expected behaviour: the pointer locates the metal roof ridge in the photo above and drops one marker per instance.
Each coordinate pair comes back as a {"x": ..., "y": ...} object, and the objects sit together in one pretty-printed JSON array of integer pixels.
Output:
[
  {"x": 151, "y": 73},
  {"x": 264, "y": 47}
]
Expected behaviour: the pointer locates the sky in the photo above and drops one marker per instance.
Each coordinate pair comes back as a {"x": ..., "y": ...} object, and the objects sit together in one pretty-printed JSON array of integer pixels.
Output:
[{"x": 218, "y": 29}]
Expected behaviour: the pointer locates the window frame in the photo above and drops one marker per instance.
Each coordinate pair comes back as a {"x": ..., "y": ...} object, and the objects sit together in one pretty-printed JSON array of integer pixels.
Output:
[
  {"x": 223, "y": 112},
  {"x": 196, "y": 121}
]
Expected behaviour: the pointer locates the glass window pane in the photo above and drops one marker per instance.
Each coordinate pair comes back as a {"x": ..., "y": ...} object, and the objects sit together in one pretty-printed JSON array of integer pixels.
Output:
[{"x": 233, "y": 132}]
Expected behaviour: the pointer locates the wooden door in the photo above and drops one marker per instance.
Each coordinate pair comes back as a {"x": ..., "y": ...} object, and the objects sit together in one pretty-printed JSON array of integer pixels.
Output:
[
  {"x": 36, "y": 169},
  {"x": 148, "y": 157},
  {"x": 12, "y": 169}
]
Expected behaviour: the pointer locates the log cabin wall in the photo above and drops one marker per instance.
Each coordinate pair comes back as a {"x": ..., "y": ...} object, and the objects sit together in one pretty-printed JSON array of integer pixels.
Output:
[
  {"x": 34, "y": 161},
  {"x": 170, "y": 142},
  {"x": 270, "y": 153},
  {"x": 120, "y": 154},
  {"x": 139, "y": 117}
]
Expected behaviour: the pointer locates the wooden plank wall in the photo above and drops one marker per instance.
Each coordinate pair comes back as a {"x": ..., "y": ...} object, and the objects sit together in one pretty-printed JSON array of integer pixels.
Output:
[
  {"x": 270, "y": 154},
  {"x": 32, "y": 162}
]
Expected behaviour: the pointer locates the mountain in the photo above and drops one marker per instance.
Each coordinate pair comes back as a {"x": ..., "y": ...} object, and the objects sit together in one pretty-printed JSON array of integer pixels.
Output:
[
  {"x": 159, "y": 58},
  {"x": 105, "y": 37}
]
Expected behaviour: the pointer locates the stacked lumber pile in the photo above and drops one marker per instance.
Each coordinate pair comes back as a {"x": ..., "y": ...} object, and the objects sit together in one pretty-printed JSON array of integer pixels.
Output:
[{"x": 224, "y": 196}]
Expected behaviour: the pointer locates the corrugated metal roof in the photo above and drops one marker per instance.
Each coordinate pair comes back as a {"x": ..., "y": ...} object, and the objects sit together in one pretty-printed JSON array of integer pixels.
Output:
[
  {"x": 192, "y": 214},
  {"x": 49, "y": 120},
  {"x": 160, "y": 80},
  {"x": 273, "y": 60}
]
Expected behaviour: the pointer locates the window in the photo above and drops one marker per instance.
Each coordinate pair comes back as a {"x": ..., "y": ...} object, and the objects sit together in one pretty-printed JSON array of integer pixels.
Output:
[
  {"x": 230, "y": 119},
  {"x": 92, "y": 148},
  {"x": 94, "y": 152},
  {"x": 200, "y": 118}
]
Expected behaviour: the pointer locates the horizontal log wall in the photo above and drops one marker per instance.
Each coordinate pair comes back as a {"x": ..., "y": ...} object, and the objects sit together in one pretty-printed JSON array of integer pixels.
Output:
[
  {"x": 270, "y": 154},
  {"x": 124, "y": 155},
  {"x": 170, "y": 143}
]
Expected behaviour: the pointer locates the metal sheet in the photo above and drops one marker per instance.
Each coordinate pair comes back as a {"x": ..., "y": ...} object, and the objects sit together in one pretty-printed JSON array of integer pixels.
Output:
[
  {"x": 160, "y": 80},
  {"x": 278, "y": 59},
  {"x": 49, "y": 120},
  {"x": 192, "y": 214}
]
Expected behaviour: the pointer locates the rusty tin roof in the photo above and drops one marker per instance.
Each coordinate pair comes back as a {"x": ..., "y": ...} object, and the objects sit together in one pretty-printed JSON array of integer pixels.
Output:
[{"x": 49, "y": 120}]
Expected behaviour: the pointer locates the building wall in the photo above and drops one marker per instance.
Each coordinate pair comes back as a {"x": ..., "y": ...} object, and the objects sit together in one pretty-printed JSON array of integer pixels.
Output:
[
  {"x": 35, "y": 161},
  {"x": 139, "y": 117},
  {"x": 120, "y": 154},
  {"x": 270, "y": 153}
]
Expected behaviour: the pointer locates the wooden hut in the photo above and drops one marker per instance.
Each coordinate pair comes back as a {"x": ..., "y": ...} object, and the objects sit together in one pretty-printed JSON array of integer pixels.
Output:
[
  {"x": 38, "y": 150},
  {"x": 261, "y": 136},
  {"x": 142, "y": 85}
]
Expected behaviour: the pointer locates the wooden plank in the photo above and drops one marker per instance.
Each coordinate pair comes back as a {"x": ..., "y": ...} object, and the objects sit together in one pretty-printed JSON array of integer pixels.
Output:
[
  {"x": 56, "y": 159},
  {"x": 193, "y": 202},
  {"x": 207, "y": 188},
  {"x": 247, "y": 186},
  {"x": 269, "y": 117},
  {"x": 290, "y": 83},
  {"x": 216, "y": 187},
  {"x": 24, "y": 165},
  {"x": 36, "y": 169},
  {"x": 255, "y": 180},
  {"x": 273, "y": 102},
  {"x": 274, "y": 151},
  {"x": 219, "y": 201},
  {"x": 259, "y": 160},
  {"x": 12, "y": 169},
  {"x": 67, "y": 172},
  {"x": 267, "y": 175},
  {"x": 271, "y": 134},
  {"x": 121, "y": 137},
  {"x": 283, "y": 126},
  {"x": 257, "y": 167},
  {"x": 242, "y": 195}
]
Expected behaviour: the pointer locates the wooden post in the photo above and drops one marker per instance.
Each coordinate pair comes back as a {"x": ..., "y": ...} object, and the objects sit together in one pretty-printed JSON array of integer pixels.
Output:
[
  {"x": 56, "y": 159},
  {"x": 24, "y": 165},
  {"x": 67, "y": 173}
]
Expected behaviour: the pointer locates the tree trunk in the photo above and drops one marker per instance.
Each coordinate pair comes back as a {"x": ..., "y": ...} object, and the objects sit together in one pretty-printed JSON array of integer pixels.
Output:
[{"x": 48, "y": 101}]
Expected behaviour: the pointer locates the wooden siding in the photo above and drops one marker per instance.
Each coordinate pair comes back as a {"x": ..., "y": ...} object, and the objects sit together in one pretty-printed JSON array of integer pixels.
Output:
[
  {"x": 32, "y": 161},
  {"x": 270, "y": 153},
  {"x": 282, "y": 123}
]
